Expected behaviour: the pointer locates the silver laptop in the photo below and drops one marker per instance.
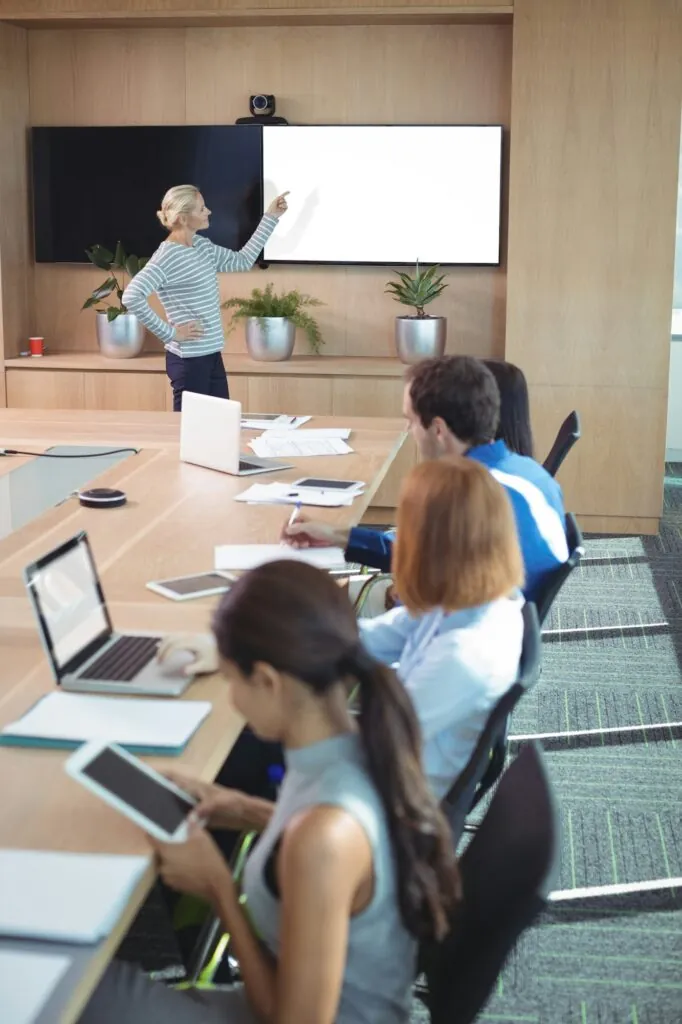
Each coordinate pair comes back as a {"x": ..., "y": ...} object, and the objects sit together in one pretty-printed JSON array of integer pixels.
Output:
[
  {"x": 210, "y": 436},
  {"x": 74, "y": 623}
]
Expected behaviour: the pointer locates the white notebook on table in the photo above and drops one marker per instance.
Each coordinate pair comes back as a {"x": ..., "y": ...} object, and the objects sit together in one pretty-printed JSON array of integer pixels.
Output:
[
  {"x": 270, "y": 421},
  {"x": 282, "y": 494},
  {"x": 64, "y": 897},
  {"x": 27, "y": 980},
  {"x": 314, "y": 434},
  {"x": 297, "y": 446},
  {"x": 249, "y": 556},
  {"x": 144, "y": 726}
]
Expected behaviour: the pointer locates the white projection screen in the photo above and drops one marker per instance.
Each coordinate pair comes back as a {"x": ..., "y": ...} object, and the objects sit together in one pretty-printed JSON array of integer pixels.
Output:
[{"x": 385, "y": 195}]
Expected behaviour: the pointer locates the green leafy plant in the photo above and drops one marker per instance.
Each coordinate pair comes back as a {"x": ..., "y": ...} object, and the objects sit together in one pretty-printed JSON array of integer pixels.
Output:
[
  {"x": 117, "y": 265},
  {"x": 263, "y": 303},
  {"x": 417, "y": 289}
]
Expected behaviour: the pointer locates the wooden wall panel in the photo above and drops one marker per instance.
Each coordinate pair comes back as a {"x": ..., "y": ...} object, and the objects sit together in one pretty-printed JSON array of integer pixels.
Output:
[
  {"x": 290, "y": 394},
  {"x": 436, "y": 73},
  {"x": 120, "y": 8},
  {"x": 353, "y": 396},
  {"x": 596, "y": 93},
  {"x": 60, "y": 291},
  {"x": 114, "y": 77},
  {"x": 614, "y": 469},
  {"x": 239, "y": 391},
  {"x": 47, "y": 389},
  {"x": 125, "y": 390},
  {"x": 15, "y": 265}
]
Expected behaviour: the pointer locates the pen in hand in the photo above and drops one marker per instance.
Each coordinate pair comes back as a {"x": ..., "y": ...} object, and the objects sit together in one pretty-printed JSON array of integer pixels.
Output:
[{"x": 295, "y": 514}]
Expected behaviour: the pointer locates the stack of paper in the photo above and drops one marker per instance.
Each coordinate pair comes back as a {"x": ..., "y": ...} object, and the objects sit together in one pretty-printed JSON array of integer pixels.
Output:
[
  {"x": 285, "y": 494},
  {"x": 144, "y": 726},
  {"x": 27, "y": 980},
  {"x": 249, "y": 556},
  {"x": 269, "y": 421},
  {"x": 314, "y": 433},
  {"x": 64, "y": 897},
  {"x": 295, "y": 446}
]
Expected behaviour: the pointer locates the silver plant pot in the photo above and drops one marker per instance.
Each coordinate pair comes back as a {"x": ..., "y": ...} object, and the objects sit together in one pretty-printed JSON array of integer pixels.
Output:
[
  {"x": 121, "y": 338},
  {"x": 418, "y": 338},
  {"x": 270, "y": 338}
]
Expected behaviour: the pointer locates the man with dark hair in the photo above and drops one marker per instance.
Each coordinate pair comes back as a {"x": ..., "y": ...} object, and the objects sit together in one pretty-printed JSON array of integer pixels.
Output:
[
  {"x": 456, "y": 392},
  {"x": 452, "y": 406}
]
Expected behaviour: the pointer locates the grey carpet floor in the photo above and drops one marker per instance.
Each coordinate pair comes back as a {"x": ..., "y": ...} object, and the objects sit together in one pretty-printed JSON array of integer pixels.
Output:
[{"x": 612, "y": 658}]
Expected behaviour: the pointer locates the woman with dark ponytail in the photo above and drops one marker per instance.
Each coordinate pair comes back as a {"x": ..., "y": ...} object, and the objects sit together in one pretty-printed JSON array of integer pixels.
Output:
[{"x": 355, "y": 863}]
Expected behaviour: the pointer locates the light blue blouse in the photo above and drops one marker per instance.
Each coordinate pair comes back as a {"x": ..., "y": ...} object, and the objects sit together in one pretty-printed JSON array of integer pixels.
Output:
[{"x": 455, "y": 667}]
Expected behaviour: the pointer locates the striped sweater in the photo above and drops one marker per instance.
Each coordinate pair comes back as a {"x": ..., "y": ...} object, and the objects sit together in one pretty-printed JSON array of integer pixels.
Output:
[{"x": 185, "y": 279}]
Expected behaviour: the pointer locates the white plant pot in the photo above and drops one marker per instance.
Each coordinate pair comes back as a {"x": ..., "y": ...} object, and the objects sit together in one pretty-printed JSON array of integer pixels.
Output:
[
  {"x": 121, "y": 338},
  {"x": 418, "y": 338},
  {"x": 270, "y": 338}
]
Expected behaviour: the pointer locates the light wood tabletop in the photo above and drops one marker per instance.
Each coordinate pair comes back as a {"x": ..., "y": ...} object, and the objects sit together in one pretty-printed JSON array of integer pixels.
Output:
[{"x": 175, "y": 515}]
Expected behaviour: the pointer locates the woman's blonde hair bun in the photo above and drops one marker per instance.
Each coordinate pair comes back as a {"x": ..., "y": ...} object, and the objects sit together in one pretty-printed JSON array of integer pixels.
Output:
[{"x": 177, "y": 201}]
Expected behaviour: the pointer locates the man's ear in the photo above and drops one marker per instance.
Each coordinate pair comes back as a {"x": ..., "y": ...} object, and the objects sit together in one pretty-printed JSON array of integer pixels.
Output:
[
  {"x": 439, "y": 426},
  {"x": 266, "y": 677}
]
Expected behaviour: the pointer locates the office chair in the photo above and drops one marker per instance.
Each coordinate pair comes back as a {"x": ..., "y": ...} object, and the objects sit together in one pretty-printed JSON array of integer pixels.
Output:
[
  {"x": 507, "y": 872},
  {"x": 487, "y": 761},
  {"x": 373, "y": 577},
  {"x": 555, "y": 579},
  {"x": 211, "y": 943},
  {"x": 569, "y": 433}
]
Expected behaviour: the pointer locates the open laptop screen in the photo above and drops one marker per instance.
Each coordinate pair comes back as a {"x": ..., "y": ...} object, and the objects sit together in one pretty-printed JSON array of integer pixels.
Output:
[{"x": 69, "y": 602}]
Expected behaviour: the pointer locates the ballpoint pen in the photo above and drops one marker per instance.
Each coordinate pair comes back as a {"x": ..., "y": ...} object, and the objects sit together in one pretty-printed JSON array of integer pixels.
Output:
[{"x": 294, "y": 515}]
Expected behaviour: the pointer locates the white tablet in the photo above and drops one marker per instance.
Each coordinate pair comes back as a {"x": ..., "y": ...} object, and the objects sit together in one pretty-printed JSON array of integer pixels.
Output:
[
  {"x": 133, "y": 788},
  {"x": 184, "y": 588}
]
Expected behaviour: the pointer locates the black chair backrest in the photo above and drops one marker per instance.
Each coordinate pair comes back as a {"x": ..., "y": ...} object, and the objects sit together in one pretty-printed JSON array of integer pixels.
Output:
[
  {"x": 569, "y": 433},
  {"x": 507, "y": 872},
  {"x": 486, "y": 763},
  {"x": 554, "y": 581}
]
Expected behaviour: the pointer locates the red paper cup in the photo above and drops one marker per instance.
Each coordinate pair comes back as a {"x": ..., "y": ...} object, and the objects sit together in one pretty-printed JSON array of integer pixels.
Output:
[{"x": 36, "y": 346}]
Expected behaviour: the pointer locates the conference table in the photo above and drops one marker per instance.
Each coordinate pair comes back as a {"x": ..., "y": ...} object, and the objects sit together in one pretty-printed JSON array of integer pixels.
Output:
[{"x": 175, "y": 515}]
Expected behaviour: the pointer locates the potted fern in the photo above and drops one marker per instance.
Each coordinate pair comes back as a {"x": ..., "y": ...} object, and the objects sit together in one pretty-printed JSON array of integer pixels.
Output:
[
  {"x": 120, "y": 334},
  {"x": 418, "y": 336},
  {"x": 271, "y": 322}
]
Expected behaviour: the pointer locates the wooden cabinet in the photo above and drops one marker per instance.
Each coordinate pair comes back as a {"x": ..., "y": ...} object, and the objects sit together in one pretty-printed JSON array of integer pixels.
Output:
[
  {"x": 78, "y": 389},
  {"x": 325, "y": 386}
]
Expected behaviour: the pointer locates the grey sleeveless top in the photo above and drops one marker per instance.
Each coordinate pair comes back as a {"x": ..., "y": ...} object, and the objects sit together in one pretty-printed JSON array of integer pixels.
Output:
[{"x": 380, "y": 962}]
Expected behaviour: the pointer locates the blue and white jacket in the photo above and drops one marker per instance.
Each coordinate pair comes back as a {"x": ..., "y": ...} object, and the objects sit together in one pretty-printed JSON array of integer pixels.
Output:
[{"x": 538, "y": 508}]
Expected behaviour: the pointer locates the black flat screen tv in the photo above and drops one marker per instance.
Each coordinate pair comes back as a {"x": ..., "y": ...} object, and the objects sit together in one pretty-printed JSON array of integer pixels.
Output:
[{"x": 101, "y": 185}]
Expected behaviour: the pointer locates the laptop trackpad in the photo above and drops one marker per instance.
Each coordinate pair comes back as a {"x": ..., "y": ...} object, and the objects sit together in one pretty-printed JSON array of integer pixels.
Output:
[{"x": 172, "y": 667}]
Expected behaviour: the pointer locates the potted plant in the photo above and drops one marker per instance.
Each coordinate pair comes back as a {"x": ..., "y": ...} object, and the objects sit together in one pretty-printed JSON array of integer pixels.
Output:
[
  {"x": 271, "y": 322},
  {"x": 119, "y": 333},
  {"x": 419, "y": 336}
]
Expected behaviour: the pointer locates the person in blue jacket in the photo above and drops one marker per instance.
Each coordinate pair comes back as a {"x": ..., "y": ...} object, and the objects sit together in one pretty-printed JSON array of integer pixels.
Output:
[{"x": 452, "y": 407}]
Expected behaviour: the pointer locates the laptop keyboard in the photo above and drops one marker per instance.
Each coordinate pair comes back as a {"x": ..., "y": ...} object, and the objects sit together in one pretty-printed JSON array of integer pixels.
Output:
[{"x": 124, "y": 659}]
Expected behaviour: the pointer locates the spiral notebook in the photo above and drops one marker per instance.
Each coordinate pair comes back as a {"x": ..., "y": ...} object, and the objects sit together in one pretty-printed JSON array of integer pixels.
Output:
[
  {"x": 27, "y": 980},
  {"x": 143, "y": 726},
  {"x": 64, "y": 897}
]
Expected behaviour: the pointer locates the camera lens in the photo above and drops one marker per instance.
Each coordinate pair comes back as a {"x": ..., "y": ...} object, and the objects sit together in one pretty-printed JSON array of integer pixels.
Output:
[{"x": 260, "y": 102}]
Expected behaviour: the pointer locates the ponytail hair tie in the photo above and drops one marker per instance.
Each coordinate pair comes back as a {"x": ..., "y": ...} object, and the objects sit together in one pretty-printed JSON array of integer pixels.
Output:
[{"x": 355, "y": 661}]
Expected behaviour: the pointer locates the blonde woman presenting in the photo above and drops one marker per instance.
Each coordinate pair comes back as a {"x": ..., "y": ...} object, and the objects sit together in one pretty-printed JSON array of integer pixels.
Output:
[{"x": 183, "y": 273}]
